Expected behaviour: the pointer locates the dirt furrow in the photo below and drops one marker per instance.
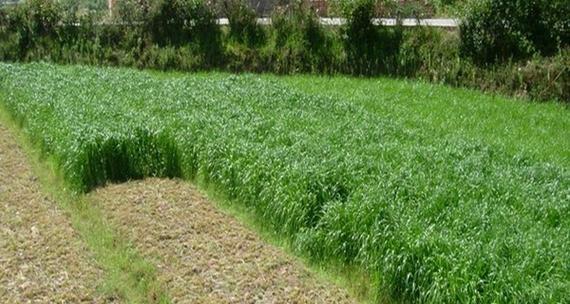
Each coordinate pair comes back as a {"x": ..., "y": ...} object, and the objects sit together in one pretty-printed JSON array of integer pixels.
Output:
[
  {"x": 204, "y": 255},
  {"x": 42, "y": 259}
]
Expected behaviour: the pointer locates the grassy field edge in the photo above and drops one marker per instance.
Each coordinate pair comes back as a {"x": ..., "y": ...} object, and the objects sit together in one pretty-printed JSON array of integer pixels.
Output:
[
  {"x": 359, "y": 284},
  {"x": 128, "y": 277}
]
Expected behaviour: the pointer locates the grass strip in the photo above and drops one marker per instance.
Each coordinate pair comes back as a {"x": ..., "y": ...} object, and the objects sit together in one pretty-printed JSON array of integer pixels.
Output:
[
  {"x": 516, "y": 126},
  {"x": 128, "y": 278}
]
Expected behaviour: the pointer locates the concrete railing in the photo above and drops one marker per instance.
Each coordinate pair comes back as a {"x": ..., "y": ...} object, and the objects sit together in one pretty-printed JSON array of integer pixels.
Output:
[
  {"x": 408, "y": 22},
  {"x": 450, "y": 23}
]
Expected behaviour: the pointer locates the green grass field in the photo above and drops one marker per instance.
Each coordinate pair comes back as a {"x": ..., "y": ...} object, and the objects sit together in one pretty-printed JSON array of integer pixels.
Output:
[{"x": 439, "y": 194}]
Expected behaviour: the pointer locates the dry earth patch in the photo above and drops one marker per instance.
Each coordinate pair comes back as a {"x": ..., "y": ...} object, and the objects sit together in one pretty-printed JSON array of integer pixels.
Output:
[
  {"x": 42, "y": 259},
  {"x": 204, "y": 255}
]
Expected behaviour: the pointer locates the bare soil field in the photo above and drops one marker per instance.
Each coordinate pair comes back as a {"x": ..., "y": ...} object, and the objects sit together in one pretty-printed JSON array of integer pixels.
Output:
[
  {"x": 204, "y": 255},
  {"x": 42, "y": 259}
]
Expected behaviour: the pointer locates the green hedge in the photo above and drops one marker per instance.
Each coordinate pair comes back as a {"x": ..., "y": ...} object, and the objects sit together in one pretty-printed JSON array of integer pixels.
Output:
[
  {"x": 502, "y": 30},
  {"x": 183, "y": 35}
]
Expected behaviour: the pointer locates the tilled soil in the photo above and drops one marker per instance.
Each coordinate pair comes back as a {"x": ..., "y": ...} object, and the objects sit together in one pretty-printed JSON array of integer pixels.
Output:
[
  {"x": 42, "y": 259},
  {"x": 204, "y": 255}
]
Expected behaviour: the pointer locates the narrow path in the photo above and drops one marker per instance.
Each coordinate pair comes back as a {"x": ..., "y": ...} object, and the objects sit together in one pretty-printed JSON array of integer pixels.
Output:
[
  {"x": 203, "y": 255},
  {"x": 42, "y": 259}
]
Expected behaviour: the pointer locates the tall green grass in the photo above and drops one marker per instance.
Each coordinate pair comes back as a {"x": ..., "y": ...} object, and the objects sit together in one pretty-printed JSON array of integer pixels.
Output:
[
  {"x": 431, "y": 218},
  {"x": 538, "y": 130}
]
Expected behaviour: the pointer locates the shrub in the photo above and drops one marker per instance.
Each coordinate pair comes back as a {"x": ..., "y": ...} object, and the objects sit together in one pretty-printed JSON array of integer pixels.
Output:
[
  {"x": 548, "y": 79},
  {"x": 3, "y": 19},
  {"x": 239, "y": 57},
  {"x": 169, "y": 22},
  {"x": 183, "y": 35},
  {"x": 35, "y": 28},
  {"x": 206, "y": 34},
  {"x": 429, "y": 53},
  {"x": 243, "y": 23},
  {"x": 9, "y": 40},
  {"x": 130, "y": 11},
  {"x": 169, "y": 58},
  {"x": 86, "y": 5},
  {"x": 537, "y": 79},
  {"x": 40, "y": 17},
  {"x": 412, "y": 9},
  {"x": 443, "y": 5},
  {"x": 299, "y": 41},
  {"x": 502, "y": 30},
  {"x": 370, "y": 49},
  {"x": 186, "y": 22},
  {"x": 556, "y": 17},
  {"x": 125, "y": 31}
]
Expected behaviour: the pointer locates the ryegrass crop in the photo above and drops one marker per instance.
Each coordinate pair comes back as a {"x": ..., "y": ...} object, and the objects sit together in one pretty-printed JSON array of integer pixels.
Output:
[
  {"x": 535, "y": 129},
  {"x": 431, "y": 218}
]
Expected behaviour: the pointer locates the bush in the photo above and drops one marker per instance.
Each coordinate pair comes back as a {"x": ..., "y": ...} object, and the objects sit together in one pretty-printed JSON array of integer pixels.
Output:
[
  {"x": 35, "y": 28},
  {"x": 169, "y": 58},
  {"x": 9, "y": 40},
  {"x": 370, "y": 49},
  {"x": 3, "y": 19},
  {"x": 206, "y": 34},
  {"x": 537, "y": 79},
  {"x": 243, "y": 23},
  {"x": 183, "y": 35},
  {"x": 429, "y": 53},
  {"x": 556, "y": 17},
  {"x": 130, "y": 11},
  {"x": 502, "y": 30},
  {"x": 169, "y": 22},
  {"x": 87, "y": 5},
  {"x": 299, "y": 41},
  {"x": 40, "y": 17},
  {"x": 548, "y": 79},
  {"x": 186, "y": 22},
  {"x": 443, "y": 5},
  {"x": 123, "y": 38},
  {"x": 412, "y": 9}
]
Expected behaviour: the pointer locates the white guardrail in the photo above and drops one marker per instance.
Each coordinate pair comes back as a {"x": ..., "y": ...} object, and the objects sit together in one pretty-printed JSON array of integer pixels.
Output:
[
  {"x": 409, "y": 22},
  {"x": 451, "y": 23}
]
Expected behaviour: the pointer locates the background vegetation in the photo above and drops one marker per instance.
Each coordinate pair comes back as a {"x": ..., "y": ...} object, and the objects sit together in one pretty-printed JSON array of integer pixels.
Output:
[{"x": 511, "y": 47}]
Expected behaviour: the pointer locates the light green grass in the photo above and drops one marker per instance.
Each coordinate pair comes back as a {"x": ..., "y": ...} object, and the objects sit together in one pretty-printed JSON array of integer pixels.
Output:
[
  {"x": 541, "y": 130},
  {"x": 404, "y": 181},
  {"x": 128, "y": 278}
]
